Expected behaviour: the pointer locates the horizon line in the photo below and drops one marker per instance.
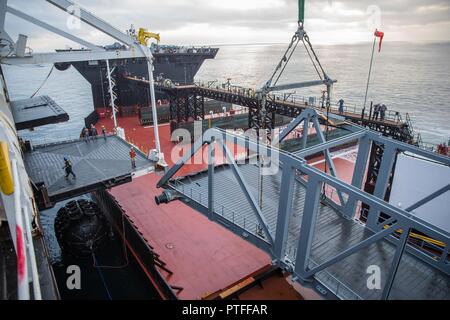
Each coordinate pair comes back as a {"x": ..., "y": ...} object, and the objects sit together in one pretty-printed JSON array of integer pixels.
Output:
[{"x": 322, "y": 44}]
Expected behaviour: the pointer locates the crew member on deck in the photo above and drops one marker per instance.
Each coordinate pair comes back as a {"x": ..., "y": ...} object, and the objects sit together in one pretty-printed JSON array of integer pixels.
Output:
[
  {"x": 376, "y": 111},
  {"x": 104, "y": 132},
  {"x": 341, "y": 106},
  {"x": 94, "y": 132},
  {"x": 86, "y": 134},
  {"x": 68, "y": 168},
  {"x": 383, "y": 109},
  {"x": 133, "y": 158}
]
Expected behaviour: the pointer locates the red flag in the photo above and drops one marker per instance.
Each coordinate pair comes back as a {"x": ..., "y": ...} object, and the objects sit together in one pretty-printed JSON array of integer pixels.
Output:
[{"x": 380, "y": 35}]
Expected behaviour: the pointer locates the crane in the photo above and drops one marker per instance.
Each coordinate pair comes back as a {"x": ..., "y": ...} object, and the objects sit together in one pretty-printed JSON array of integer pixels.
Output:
[{"x": 144, "y": 35}]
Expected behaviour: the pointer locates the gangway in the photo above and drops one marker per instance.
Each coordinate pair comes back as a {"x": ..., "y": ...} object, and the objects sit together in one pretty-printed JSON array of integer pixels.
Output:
[
  {"x": 98, "y": 164},
  {"x": 314, "y": 237},
  {"x": 187, "y": 104}
]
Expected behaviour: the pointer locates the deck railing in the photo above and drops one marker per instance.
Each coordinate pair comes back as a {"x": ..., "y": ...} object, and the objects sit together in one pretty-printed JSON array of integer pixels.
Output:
[{"x": 296, "y": 99}]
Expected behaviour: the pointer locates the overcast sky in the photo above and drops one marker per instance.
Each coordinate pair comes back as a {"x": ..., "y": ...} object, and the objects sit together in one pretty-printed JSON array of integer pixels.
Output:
[{"x": 244, "y": 21}]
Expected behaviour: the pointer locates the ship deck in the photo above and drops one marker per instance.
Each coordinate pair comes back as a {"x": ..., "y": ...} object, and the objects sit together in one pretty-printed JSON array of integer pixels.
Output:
[
  {"x": 203, "y": 256},
  {"x": 97, "y": 163}
]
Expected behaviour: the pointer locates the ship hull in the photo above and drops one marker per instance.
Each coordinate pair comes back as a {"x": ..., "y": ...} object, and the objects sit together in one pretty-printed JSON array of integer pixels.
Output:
[{"x": 178, "y": 67}]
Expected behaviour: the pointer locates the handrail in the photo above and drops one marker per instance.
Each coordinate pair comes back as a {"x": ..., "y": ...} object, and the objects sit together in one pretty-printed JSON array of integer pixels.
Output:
[
  {"x": 23, "y": 290},
  {"x": 20, "y": 224},
  {"x": 392, "y": 115}
]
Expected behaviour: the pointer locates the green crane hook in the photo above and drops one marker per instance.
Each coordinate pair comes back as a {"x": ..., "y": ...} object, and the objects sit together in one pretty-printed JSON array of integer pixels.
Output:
[{"x": 301, "y": 11}]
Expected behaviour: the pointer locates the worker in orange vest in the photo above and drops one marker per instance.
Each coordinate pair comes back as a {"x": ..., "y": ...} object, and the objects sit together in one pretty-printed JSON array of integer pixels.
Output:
[
  {"x": 442, "y": 149},
  {"x": 133, "y": 157}
]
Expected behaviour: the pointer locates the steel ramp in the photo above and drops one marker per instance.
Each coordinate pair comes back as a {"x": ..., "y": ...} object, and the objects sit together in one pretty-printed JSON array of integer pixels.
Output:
[
  {"x": 333, "y": 233},
  {"x": 99, "y": 163},
  {"x": 317, "y": 239},
  {"x": 37, "y": 111}
]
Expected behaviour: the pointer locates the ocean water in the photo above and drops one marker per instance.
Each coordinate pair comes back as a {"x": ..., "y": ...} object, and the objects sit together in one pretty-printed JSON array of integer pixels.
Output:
[{"x": 409, "y": 78}]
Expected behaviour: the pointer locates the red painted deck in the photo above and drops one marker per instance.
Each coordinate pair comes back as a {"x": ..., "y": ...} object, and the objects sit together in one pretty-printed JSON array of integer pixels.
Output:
[
  {"x": 203, "y": 256},
  {"x": 144, "y": 139}
]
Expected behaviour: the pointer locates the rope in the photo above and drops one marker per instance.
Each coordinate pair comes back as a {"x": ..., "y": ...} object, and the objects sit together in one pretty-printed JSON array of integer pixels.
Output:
[
  {"x": 102, "y": 278},
  {"x": 312, "y": 60},
  {"x": 294, "y": 38},
  {"x": 287, "y": 61},
  {"x": 45, "y": 80},
  {"x": 124, "y": 249},
  {"x": 306, "y": 37}
]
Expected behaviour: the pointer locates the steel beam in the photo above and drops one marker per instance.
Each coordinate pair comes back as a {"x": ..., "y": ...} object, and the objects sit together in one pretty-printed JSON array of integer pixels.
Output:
[
  {"x": 305, "y": 132},
  {"x": 327, "y": 155},
  {"x": 211, "y": 161},
  {"x": 295, "y": 123},
  {"x": 253, "y": 203},
  {"x": 308, "y": 226},
  {"x": 95, "y": 22},
  {"x": 348, "y": 252},
  {"x": 3, "y": 33},
  {"x": 358, "y": 173},
  {"x": 403, "y": 217},
  {"x": 428, "y": 198},
  {"x": 72, "y": 56},
  {"x": 174, "y": 169},
  {"x": 384, "y": 173},
  {"x": 409, "y": 148},
  {"x": 150, "y": 68},
  {"x": 331, "y": 144},
  {"x": 395, "y": 263},
  {"x": 284, "y": 210},
  {"x": 53, "y": 29},
  {"x": 298, "y": 85}
]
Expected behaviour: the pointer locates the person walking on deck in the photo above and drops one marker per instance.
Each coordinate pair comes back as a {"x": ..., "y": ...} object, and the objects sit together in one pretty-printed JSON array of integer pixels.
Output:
[
  {"x": 104, "y": 132},
  {"x": 68, "y": 168},
  {"x": 341, "y": 106},
  {"x": 133, "y": 158},
  {"x": 376, "y": 111}
]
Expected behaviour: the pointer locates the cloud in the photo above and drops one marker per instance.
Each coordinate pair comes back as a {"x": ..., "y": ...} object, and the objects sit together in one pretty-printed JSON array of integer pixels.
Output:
[{"x": 237, "y": 21}]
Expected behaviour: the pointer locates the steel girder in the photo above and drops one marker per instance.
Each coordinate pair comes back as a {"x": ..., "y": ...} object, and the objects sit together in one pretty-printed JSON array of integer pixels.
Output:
[
  {"x": 397, "y": 131},
  {"x": 301, "y": 269}
]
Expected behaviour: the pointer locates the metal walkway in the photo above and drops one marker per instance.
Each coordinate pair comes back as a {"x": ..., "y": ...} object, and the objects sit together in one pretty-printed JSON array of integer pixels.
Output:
[
  {"x": 309, "y": 234},
  {"x": 97, "y": 164},
  {"x": 333, "y": 234},
  {"x": 187, "y": 103}
]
